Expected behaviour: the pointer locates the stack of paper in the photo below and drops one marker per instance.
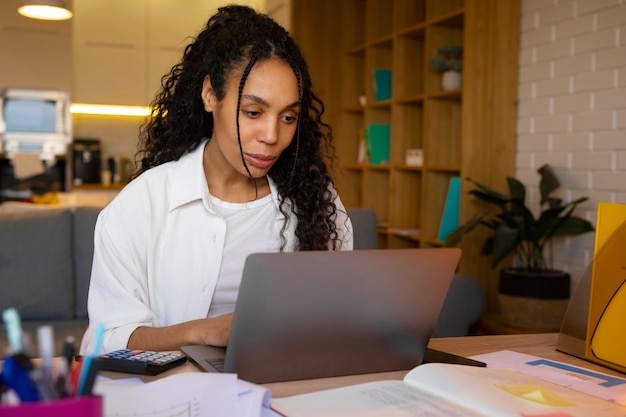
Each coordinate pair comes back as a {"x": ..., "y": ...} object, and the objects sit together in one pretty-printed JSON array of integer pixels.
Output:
[{"x": 185, "y": 394}]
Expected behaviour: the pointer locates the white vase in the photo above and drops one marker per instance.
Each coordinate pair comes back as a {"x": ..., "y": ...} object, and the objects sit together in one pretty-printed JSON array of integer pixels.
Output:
[{"x": 451, "y": 80}]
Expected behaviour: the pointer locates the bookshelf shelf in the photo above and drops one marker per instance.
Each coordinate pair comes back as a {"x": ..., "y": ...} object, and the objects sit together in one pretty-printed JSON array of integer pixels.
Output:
[{"x": 465, "y": 132}]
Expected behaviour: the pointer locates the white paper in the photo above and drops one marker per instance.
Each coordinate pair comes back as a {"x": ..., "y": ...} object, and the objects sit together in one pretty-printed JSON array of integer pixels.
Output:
[
  {"x": 26, "y": 165},
  {"x": 193, "y": 394},
  {"x": 598, "y": 384}
]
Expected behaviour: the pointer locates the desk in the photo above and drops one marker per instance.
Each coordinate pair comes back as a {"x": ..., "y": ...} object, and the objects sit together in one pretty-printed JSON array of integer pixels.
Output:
[{"x": 541, "y": 344}]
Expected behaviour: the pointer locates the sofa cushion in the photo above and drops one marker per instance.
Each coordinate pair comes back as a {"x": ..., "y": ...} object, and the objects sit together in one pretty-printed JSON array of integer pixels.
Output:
[
  {"x": 84, "y": 225},
  {"x": 461, "y": 309},
  {"x": 36, "y": 263},
  {"x": 364, "y": 227}
]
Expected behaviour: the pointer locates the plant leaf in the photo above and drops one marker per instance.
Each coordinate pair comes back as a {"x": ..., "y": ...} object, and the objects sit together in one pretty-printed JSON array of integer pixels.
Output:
[
  {"x": 574, "y": 226},
  {"x": 490, "y": 191},
  {"x": 505, "y": 241},
  {"x": 454, "y": 237},
  {"x": 517, "y": 189},
  {"x": 548, "y": 183}
]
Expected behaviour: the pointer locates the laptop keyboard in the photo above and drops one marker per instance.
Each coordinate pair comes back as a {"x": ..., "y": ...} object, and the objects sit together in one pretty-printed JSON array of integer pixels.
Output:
[{"x": 216, "y": 363}]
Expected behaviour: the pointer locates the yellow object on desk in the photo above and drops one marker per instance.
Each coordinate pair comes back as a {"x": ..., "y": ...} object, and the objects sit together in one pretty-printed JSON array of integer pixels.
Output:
[
  {"x": 47, "y": 198},
  {"x": 606, "y": 327}
]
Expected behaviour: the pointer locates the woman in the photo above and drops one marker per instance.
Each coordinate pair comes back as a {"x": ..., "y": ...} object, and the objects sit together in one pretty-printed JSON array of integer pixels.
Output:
[{"x": 232, "y": 162}]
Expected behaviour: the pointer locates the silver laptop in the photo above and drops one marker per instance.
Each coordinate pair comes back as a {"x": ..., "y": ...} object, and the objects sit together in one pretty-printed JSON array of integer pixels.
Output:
[{"x": 302, "y": 315}]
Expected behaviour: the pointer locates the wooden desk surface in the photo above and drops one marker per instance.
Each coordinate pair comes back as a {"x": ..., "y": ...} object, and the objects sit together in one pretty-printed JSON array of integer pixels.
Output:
[{"x": 541, "y": 345}]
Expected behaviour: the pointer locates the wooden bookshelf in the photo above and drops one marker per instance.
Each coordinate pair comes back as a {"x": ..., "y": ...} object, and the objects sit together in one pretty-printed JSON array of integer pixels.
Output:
[{"x": 466, "y": 132}]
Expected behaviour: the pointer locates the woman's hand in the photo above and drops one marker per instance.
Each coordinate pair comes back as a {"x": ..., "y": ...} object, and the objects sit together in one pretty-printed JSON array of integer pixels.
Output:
[
  {"x": 211, "y": 331},
  {"x": 216, "y": 331}
]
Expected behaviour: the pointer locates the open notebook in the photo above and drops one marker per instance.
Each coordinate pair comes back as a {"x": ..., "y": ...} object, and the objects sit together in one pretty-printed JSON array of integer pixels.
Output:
[{"x": 304, "y": 315}]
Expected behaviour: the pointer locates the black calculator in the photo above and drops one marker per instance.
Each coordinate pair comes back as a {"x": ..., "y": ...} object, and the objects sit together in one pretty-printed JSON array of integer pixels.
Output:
[{"x": 144, "y": 362}]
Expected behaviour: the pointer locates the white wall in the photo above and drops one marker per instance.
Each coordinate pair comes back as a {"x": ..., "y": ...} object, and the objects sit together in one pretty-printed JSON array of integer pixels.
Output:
[{"x": 572, "y": 107}]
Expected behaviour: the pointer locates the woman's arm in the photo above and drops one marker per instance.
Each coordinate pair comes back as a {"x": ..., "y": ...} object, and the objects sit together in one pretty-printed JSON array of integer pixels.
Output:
[{"x": 212, "y": 331}]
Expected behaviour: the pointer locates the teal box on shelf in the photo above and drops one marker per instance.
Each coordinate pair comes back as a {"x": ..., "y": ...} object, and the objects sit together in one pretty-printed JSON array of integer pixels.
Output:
[
  {"x": 382, "y": 84},
  {"x": 378, "y": 136},
  {"x": 450, "y": 217}
]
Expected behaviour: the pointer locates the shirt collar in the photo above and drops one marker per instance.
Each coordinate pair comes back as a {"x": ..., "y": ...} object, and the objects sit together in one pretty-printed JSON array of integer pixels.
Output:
[{"x": 187, "y": 181}]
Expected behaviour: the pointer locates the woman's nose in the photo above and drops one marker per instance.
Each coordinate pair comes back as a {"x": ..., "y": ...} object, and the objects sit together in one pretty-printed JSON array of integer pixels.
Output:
[{"x": 270, "y": 131}]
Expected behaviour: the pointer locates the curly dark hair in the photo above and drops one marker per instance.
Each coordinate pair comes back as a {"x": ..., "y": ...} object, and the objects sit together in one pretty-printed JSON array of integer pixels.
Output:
[{"x": 235, "y": 39}]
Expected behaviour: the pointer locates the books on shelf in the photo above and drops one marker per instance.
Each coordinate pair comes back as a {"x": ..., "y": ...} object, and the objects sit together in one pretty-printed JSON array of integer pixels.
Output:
[
  {"x": 382, "y": 84},
  {"x": 439, "y": 389},
  {"x": 377, "y": 139},
  {"x": 450, "y": 217}
]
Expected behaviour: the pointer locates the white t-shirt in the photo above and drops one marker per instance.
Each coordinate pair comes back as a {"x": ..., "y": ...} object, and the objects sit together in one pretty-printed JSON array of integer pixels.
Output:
[{"x": 243, "y": 220}]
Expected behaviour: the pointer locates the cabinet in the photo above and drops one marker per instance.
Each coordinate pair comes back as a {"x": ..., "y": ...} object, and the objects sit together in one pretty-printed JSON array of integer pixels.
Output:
[
  {"x": 35, "y": 53},
  {"x": 123, "y": 48},
  {"x": 465, "y": 132}
]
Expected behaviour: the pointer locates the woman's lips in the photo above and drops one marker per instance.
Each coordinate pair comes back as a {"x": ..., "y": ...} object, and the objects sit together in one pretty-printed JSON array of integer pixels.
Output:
[{"x": 260, "y": 161}]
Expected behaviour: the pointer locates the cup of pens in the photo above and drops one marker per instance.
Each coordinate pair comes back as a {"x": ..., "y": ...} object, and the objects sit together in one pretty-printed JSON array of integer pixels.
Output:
[{"x": 49, "y": 385}]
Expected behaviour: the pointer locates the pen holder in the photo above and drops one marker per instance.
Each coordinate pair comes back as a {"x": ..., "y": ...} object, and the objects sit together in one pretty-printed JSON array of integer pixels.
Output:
[{"x": 69, "y": 407}]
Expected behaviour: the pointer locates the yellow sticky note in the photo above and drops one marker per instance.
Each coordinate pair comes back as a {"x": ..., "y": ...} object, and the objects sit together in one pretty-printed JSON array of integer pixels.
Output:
[{"x": 538, "y": 394}]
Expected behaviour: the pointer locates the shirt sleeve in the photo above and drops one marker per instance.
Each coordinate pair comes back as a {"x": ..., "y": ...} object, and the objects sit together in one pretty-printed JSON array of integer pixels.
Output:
[{"x": 118, "y": 292}]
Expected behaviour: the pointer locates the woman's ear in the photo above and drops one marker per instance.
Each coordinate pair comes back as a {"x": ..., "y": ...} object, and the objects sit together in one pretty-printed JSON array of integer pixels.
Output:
[{"x": 208, "y": 95}]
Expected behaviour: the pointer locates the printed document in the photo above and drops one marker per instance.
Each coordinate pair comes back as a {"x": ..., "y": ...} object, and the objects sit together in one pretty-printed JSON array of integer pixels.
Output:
[{"x": 447, "y": 390}]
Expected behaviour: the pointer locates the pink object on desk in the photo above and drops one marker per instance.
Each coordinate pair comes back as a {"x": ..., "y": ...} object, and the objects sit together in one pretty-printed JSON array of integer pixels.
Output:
[{"x": 70, "y": 407}]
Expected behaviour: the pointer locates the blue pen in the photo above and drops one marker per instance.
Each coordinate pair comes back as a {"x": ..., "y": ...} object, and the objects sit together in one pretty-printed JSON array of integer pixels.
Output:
[{"x": 88, "y": 362}]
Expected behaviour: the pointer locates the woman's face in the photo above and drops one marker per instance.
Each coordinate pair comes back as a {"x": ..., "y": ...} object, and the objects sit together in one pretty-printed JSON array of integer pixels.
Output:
[{"x": 267, "y": 118}]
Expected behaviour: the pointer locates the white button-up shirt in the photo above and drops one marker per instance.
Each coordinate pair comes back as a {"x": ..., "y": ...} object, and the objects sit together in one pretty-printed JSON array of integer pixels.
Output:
[{"x": 158, "y": 248}]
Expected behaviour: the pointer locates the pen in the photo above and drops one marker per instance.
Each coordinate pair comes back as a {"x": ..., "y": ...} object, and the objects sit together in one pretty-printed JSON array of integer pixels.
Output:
[
  {"x": 62, "y": 384},
  {"x": 86, "y": 374},
  {"x": 69, "y": 350},
  {"x": 14, "y": 329},
  {"x": 43, "y": 378}
]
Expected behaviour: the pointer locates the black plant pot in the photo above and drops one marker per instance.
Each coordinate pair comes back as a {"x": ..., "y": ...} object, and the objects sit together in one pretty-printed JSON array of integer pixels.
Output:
[{"x": 533, "y": 300}]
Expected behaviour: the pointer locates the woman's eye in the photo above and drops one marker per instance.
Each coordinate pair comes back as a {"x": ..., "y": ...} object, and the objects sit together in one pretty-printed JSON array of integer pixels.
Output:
[
  {"x": 252, "y": 113},
  {"x": 289, "y": 118}
]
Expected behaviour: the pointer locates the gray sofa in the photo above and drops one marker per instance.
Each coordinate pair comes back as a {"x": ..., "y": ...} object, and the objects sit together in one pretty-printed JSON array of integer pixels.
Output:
[{"x": 45, "y": 264}]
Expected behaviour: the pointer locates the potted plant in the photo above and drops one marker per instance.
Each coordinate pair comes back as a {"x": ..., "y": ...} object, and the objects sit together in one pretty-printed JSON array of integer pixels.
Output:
[
  {"x": 449, "y": 60},
  {"x": 532, "y": 294}
]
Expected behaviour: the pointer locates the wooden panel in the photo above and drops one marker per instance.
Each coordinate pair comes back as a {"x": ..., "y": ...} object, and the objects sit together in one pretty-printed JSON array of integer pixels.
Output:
[
  {"x": 489, "y": 116},
  {"x": 442, "y": 132},
  {"x": 378, "y": 19},
  {"x": 404, "y": 199},
  {"x": 410, "y": 136},
  {"x": 408, "y": 67},
  {"x": 437, "y": 8},
  {"x": 407, "y": 13},
  {"x": 376, "y": 192}
]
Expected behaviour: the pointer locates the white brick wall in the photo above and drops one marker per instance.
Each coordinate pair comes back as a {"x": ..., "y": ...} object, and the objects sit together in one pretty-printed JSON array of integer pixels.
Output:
[{"x": 572, "y": 107}]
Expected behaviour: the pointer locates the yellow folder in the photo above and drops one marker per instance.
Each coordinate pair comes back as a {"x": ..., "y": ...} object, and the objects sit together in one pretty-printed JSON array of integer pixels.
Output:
[{"x": 606, "y": 324}]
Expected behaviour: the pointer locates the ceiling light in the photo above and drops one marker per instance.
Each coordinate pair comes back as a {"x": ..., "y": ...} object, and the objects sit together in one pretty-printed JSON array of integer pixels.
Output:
[
  {"x": 46, "y": 9},
  {"x": 109, "y": 110}
]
